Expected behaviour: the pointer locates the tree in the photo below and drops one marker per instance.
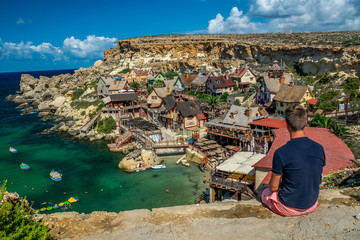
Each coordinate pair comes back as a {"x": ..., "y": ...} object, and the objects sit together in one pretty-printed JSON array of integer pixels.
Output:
[
  {"x": 135, "y": 85},
  {"x": 212, "y": 101},
  {"x": 171, "y": 74},
  {"x": 17, "y": 220},
  {"x": 224, "y": 97}
]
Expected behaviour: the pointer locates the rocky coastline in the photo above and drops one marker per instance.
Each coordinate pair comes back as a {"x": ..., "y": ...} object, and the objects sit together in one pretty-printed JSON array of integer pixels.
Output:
[{"x": 53, "y": 98}]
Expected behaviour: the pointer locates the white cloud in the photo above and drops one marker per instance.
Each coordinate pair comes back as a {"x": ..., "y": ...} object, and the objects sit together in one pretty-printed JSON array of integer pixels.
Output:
[
  {"x": 91, "y": 47},
  {"x": 298, "y": 15},
  {"x": 73, "y": 49},
  {"x": 20, "y": 21},
  {"x": 235, "y": 23}
]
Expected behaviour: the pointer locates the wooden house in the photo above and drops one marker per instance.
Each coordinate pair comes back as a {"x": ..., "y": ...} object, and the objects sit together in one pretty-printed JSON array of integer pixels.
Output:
[
  {"x": 289, "y": 94},
  {"x": 184, "y": 81},
  {"x": 189, "y": 118},
  {"x": 118, "y": 87},
  {"x": 137, "y": 75},
  {"x": 167, "y": 109},
  {"x": 234, "y": 178},
  {"x": 154, "y": 78},
  {"x": 243, "y": 77},
  {"x": 199, "y": 83},
  {"x": 103, "y": 86},
  {"x": 219, "y": 85},
  {"x": 234, "y": 128},
  {"x": 269, "y": 87}
]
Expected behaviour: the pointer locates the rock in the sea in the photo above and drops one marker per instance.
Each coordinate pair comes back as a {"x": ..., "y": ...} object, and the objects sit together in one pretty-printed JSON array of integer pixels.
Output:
[
  {"x": 138, "y": 157},
  {"x": 28, "y": 110}
]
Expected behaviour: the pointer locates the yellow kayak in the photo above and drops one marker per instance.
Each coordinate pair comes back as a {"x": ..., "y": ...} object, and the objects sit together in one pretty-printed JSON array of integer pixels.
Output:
[{"x": 73, "y": 199}]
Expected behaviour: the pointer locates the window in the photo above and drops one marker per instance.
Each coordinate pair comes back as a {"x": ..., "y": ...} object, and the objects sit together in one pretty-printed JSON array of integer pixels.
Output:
[
  {"x": 281, "y": 104},
  {"x": 218, "y": 81},
  {"x": 153, "y": 97},
  {"x": 247, "y": 73}
]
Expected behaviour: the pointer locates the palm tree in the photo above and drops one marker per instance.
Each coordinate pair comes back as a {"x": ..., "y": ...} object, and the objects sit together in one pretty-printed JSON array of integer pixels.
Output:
[{"x": 212, "y": 101}]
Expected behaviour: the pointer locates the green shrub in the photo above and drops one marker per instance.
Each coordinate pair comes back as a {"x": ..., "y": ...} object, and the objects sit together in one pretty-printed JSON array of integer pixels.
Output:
[
  {"x": 77, "y": 93},
  {"x": 327, "y": 96},
  {"x": 309, "y": 80},
  {"x": 125, "y": 70},
  {"x": 171, "y": 74},
  {"x": 83, "y": 113},
  {"x": 106, "y": 125},
  {"x": 355, "y": 41},
  {"x": 224, "y": 97},
  {"x": 17, "y": 221}
]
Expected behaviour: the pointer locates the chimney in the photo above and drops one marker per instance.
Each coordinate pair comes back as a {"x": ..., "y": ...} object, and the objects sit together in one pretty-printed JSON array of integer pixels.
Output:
[
  {"x": 105, "y": 77},
  {"x": 168, "y": 90},
  {"x": 248, "y": 112},
  {"x": 227, "y": 77},
  {"x": 291, "y": 83},
  {"x": 187, "y": 75},
  {"x": 282, "y": 80},
  {"x": 115, "y": 82}
]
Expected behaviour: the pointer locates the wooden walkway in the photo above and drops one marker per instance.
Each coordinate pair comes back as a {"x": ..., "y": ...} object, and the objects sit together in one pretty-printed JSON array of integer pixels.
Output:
[
  {"x": 144, "y": 140},
  {"x": 88, "y": 125}
]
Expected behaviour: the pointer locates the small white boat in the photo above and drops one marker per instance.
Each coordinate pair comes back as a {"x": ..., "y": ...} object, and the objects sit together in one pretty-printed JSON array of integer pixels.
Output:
[
  {"x": 55, "y": 176},
  {"x": 141, "y": 169},
  {"x": 158, "y": 166},
  {"x": 13, "y": 150}
]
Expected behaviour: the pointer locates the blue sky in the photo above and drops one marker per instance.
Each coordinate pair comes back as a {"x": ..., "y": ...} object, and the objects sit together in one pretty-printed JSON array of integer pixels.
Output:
[{"x": 58, "y": 34}]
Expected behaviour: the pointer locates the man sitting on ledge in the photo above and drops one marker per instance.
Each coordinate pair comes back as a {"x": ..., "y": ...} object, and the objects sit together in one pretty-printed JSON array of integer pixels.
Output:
[{"x": 296, "y": 171}]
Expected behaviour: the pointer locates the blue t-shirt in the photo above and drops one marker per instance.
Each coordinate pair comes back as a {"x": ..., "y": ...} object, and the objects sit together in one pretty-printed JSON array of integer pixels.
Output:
[{"x": 300, "y": 161}]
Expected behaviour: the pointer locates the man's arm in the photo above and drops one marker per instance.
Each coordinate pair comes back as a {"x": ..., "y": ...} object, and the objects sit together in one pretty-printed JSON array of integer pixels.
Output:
[{"x": 274, "y": 182}]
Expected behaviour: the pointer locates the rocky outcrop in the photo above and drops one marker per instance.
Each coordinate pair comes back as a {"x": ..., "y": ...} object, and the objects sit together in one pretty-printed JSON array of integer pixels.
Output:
[
  {"x": 52, "y": 97},
  {"x": 313, "y": 52},
  {"x": 139, "y": 160}
]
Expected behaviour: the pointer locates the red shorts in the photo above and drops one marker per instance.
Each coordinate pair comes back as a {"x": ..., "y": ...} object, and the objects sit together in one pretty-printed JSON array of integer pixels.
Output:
[{"x": 271, "y": 200}]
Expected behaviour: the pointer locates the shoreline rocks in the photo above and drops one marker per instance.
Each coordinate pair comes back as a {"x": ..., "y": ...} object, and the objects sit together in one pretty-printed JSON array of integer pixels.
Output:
[{"x": 138, "y": 160}]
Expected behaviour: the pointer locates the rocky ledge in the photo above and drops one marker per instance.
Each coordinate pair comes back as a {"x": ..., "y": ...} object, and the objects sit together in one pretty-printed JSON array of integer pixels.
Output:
[{"x": 334, "y": 219}]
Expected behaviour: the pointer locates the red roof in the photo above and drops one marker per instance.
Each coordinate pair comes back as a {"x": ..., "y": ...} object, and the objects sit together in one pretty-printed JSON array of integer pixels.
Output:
[
  {"x": 269, "y": 122},
  {"x": 337, "y": 153},
  {"x": 201, "y": 116},
  {"x": 239, "y": 72},
  {"x": 312, "y": 101}
]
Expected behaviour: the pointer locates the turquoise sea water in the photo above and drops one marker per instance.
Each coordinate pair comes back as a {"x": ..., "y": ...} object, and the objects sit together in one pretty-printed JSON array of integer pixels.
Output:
[{"x": 89, "y": 170}]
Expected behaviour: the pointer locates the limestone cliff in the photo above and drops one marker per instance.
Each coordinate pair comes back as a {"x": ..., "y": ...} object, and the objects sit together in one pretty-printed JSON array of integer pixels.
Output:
[{"x": 314, "y": 52}]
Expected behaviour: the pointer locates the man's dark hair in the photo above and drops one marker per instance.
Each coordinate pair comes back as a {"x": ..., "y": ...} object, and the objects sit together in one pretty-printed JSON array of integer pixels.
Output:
[{"x": 296, "y": 117}]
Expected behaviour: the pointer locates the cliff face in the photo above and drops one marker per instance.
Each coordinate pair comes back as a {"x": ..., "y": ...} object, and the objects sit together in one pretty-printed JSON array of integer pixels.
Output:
[{"x": 313, "y": 52}]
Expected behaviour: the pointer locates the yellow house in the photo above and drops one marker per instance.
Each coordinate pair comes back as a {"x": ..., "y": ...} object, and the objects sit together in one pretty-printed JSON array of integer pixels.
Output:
[
  {"x": 289, "y": 94},
  {"x": 136, "y": 75}
]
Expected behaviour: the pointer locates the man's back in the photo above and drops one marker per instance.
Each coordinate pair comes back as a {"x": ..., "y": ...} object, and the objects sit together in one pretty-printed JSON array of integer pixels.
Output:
[{"x": 300, "y": 161}]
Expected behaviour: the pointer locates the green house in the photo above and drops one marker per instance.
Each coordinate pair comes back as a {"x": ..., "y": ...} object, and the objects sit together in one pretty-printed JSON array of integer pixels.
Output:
[{"x": 153, "y": 78}]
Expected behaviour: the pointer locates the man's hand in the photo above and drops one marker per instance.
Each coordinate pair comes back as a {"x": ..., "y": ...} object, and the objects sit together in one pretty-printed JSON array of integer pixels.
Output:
[{"x": 274, "y": 182}]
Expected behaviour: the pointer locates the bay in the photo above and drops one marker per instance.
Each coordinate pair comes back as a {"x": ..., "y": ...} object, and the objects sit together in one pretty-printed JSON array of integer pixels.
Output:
[{"x": 90, "y": 171}]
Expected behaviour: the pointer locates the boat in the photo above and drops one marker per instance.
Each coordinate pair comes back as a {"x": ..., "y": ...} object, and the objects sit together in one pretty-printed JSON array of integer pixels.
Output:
[
  {"x": 42, "y": 209},
  {"x": 158, "y": 166},
  {"x": 24, "y": 166},
  {"x": 55, "y": 206},
  {"x": 55, "y": 176},
  {"x": 49, "y": 208},
  {"x": 13, "y": 150},
  {"x": 73, "y": 199},
  {"x": 141, "y": 169},
  {"x": 61, "y": 204}
]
